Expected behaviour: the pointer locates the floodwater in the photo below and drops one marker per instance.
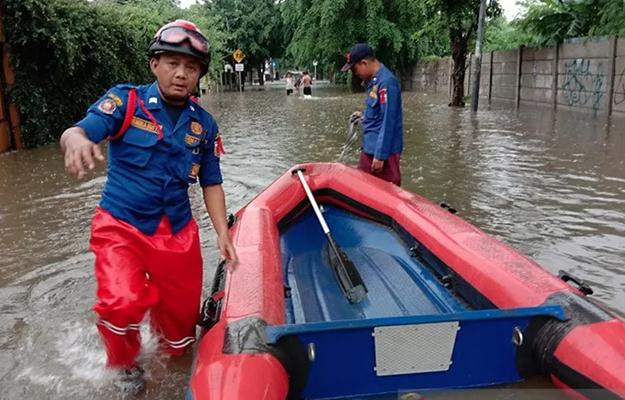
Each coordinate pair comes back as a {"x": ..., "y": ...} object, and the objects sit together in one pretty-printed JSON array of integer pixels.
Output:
[{"x": 551, "y": 185}]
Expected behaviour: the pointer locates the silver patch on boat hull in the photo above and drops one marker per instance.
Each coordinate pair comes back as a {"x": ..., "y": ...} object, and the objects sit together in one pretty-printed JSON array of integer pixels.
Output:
[{"x": 411, "y": 349}]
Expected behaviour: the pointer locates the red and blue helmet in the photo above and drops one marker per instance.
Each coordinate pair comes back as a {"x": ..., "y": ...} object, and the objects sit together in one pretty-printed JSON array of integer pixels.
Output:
[{"x": 184, "y": 37}]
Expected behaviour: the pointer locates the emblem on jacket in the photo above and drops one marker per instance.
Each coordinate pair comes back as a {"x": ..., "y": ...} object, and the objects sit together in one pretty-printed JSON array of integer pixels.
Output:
[
  {"x": 191, "y": 140},
  {"x": 196, "y": 127},
  {"x": 374, "y": 92},
  {"x": 107, "y": 106}
]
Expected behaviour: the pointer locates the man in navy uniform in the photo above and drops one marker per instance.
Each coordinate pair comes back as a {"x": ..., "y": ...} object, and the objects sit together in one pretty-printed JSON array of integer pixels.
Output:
[
  {"x": 382, "y": 119},
  {"x": 145, "y": 240}
]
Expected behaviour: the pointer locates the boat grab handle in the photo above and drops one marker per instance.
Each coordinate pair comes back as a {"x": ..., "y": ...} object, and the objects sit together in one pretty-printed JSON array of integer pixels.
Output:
[{"x": 582, "y": 285}]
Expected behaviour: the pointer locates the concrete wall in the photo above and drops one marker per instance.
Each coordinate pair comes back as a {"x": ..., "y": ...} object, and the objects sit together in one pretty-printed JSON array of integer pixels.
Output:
[
  {"x": 585, "y": 74},
  {"x": 618, "y": 100},
  {"x": 537, "y": 79},
  {"x": 432, "y": 76}
]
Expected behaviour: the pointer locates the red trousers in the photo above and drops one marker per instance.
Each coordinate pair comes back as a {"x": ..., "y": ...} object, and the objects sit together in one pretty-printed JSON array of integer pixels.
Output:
[
  {"x": 136, "y": 273},
  {"x": 390, "y": 172}
]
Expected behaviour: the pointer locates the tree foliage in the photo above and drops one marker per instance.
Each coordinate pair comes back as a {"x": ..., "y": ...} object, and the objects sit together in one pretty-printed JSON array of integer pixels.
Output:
[
  {"x": 251, "y": 25},
  {"x": 503, "y": 35},
  {"x": 611, "y": 18},
  {"x": 431, "y": 37},
  {"x": 546, "y": 22},
  {"x": 461, "y": 19},
  {"x": 66, "y": 53},
  {"x": 551, "y": 21},
  {"x": 324, "y": 30}
]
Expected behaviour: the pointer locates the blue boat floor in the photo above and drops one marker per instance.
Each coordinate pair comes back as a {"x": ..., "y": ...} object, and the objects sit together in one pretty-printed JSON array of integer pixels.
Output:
[{"x": 398, "y": 284}]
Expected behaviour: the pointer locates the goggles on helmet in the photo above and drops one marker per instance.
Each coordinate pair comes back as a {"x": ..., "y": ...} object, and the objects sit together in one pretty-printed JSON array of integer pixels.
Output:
[{"x": 176, "y": 35}]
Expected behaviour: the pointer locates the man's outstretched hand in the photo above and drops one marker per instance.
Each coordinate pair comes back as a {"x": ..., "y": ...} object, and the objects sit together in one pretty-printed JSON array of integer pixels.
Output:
[{"x": 79, "y": 151}]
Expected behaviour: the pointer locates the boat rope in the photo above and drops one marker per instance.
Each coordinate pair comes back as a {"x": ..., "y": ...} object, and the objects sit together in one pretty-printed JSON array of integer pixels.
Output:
[{"x": 352, "y": 136}]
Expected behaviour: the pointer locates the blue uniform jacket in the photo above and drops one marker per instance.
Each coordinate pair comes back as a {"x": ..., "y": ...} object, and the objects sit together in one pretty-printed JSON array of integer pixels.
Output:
[
  {"x": 149, "y": 177},
  {"x": 382, "y": 120}
]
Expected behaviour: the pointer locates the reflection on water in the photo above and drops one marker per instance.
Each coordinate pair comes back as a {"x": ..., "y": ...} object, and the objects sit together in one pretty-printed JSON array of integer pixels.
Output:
[{"x": 551, "y": 185}]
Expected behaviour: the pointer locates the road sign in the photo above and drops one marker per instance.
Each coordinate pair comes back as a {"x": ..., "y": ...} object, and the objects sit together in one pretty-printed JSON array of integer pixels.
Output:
[
  {"x": 238, "y": 55},
  {"x": 239, "y": 67},
  {"x": 315, "y": 63}
]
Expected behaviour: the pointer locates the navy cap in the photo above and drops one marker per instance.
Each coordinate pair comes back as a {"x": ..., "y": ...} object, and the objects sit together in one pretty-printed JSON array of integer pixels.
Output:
[{"x": 358, "y": 52}]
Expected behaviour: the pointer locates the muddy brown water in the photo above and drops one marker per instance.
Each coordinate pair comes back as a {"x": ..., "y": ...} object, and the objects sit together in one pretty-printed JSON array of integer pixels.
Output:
[{"x": 552, "y": 185}]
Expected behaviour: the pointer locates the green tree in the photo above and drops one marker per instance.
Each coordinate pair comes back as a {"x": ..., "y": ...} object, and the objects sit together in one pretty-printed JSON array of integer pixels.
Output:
[
  {"x": 551, "y": 21},
  {"x": 147, "y": 16},
  {"x": 611, "y": 18},
  {"x": 431, "y": 37},
  {"x": 503, "y": 35},
  {"x": 324, "y": 30},
  {"x": 67, "y": 53},
  {"x": 249, "y": 25},
  {"x": 461, "y": 18}
]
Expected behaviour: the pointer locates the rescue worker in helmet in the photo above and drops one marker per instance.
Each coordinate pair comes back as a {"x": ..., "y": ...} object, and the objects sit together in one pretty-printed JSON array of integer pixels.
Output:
[{"x": 145, "y": 240}]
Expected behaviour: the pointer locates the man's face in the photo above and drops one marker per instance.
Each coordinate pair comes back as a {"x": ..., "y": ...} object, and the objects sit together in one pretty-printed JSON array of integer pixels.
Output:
[
  {"x": 361, "y": 70},
  {"x": 177, "y": 75}
]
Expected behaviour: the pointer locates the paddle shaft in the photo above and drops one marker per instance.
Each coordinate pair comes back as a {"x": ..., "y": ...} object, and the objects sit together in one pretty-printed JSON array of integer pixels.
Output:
[
  {"x": 349, "y": 279},
  {"x": 315, "y": 206}
]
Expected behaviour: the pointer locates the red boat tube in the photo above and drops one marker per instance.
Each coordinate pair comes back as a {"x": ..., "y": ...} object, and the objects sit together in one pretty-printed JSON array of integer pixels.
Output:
[{"x": 586, "y": 352}]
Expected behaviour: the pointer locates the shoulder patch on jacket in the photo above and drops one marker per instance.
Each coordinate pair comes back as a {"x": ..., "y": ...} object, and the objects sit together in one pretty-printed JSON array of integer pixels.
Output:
[
  {"x": 383, "y": 96},
  {"x": 107, "y": 106},
  {"x": 219, "y": 145},
  {"x": 118, "y": 100}
]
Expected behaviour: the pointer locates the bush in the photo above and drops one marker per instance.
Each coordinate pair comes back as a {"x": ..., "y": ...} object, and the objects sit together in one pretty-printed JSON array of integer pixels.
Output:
[{"x": 66, "y": 54}]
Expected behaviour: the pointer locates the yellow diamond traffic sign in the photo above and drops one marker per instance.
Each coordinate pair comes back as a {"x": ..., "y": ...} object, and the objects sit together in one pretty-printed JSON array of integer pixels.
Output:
[{"x": 238, "y": 55}]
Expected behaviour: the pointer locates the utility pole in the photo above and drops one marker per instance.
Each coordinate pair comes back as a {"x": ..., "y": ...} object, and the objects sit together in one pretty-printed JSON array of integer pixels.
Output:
[{"x": 479, "y": 43}]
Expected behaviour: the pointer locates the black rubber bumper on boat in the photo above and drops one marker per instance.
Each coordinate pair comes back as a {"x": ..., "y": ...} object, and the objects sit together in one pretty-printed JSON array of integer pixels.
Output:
[
  {"x": 544, "y": 335},
  {"x": 247, "y": 335}
]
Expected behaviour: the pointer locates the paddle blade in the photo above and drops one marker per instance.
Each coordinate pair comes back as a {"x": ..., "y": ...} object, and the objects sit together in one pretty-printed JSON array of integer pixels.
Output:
[{"x": 346, "y": 272}]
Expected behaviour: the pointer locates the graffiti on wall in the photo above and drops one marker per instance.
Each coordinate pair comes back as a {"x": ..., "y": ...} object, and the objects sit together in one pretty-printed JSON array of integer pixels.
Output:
[
  {"x": 619, "y": 88},
  {"x": 581, "y": 87}
]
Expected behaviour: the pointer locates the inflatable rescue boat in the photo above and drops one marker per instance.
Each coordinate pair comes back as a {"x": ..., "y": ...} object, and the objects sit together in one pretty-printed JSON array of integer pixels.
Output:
[{"x": 360, "y": 288}]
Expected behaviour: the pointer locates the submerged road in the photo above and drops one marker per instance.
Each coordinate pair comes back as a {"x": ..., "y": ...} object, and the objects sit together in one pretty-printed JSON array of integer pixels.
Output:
[{"x": 550, "y": 185}]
